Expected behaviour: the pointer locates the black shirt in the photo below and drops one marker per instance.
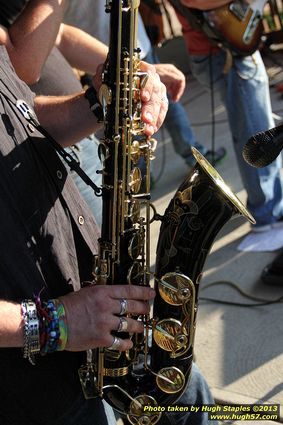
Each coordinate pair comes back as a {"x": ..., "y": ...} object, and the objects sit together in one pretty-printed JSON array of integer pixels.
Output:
[
  {"x": 10, "y": 10},
  {"x": 44, "y": 247}
]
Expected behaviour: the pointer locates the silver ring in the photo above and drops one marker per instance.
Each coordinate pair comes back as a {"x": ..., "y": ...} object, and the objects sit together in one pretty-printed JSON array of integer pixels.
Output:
[
  {"x": 124, "y": 307},
  {"x": 115, "y": 344},
  {"x": 164, "y": 99},
  {"x": 123, "y": 325}
]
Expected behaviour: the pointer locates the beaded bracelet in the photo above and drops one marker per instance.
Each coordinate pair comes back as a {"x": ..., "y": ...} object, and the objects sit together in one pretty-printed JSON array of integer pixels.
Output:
[
  {"x": 53, "y": 326},
  {"x": 31, "y": 330}
]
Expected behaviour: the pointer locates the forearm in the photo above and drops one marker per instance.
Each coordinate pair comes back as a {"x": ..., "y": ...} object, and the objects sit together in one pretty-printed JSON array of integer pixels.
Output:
[
  {"x": 81, "y": 50},
  {"x": 205, "y": 4},
  {"x": 67, "y": 118},
  {"x": 11, "y": 325},
  {"x": 33, "y": 35}
]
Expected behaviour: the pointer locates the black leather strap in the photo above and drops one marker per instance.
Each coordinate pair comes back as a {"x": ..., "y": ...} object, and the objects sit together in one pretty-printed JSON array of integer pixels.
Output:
[{"x": 94, "y": 104}]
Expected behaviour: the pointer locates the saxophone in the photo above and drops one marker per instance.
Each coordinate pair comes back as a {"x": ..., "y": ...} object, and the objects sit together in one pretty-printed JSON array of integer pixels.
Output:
[{"x": 156, "y": 370}]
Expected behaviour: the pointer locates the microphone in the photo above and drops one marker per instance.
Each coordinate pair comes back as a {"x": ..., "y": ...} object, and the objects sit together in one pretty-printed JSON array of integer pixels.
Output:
[{"x": 264, "y": 147}]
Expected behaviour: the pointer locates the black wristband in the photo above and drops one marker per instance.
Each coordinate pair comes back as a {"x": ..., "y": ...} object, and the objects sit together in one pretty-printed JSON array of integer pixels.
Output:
[{"x": 94, "y": 104}]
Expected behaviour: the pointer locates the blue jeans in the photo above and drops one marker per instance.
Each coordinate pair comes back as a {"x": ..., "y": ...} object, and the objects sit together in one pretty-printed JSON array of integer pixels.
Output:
[
  {"x": 244, "y": 91},
  {"x": 197, "y": 393},
  {"x": 178, "y": 125},
  {"x": 85, "y": 152}
]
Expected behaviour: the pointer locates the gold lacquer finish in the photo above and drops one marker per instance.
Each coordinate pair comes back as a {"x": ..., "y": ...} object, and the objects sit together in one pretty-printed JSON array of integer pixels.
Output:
[
  {"x": 176, "y": 289},
  {"x": 115, "y": 373},
  {"x": 135, "y": 246},
  {"x": 135, "y": 180},
  {"x": 138, "y": 415},
  {"x": 171, "y": 335},
  {"x": 170, "y": 380},
  {"x": 135, "y": 151},
  {"x": 220, "y": 183},
  {"x": 135, "y": 273}
]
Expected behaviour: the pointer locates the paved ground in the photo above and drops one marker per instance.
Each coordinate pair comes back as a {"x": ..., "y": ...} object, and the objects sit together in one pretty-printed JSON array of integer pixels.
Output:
[{"x": 239, "y": 349}]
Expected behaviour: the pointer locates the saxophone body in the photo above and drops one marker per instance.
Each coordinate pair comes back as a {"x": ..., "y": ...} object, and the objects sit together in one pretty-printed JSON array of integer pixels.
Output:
[{"x": 156, "y": 371}]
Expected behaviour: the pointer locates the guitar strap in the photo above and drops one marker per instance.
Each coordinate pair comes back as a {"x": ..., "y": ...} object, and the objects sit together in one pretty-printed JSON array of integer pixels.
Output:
[
  {"x": 197, "y": 21},
  {"x": 193, "y": 16},
  {"x": 155, "y": 16}
]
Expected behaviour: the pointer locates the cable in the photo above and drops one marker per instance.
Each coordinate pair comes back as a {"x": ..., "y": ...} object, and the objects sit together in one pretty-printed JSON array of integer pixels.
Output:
[
  {"x": 261, "y": 302},
  {"x": 193, "y": 98}
]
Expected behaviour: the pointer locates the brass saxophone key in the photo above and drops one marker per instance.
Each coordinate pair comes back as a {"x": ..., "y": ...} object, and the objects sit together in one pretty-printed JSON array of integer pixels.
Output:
[{"x": 176, "y": 288}]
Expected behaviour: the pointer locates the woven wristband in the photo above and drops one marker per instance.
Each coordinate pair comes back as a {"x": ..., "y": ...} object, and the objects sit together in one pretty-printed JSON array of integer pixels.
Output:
[{"x": 63, "y": 329}]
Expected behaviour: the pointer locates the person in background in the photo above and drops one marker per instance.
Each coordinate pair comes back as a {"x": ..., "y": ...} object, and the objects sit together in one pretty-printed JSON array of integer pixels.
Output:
[
  {"x": 272, "y": 274},
  {"x": 92, "y": 18},
  {"x": 244, "y": 91}
]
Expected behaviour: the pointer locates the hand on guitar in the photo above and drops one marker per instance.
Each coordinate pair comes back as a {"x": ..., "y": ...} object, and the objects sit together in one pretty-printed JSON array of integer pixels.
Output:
[{"x": 235, "y": 25}]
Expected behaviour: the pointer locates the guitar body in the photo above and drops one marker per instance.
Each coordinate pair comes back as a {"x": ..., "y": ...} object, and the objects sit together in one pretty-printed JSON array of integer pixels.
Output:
[{"x": 235, "y": 26}]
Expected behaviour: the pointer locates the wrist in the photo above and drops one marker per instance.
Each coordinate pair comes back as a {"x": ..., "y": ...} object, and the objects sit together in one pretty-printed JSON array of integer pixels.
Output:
[
  {"x": 11, "y": 326},
  {"x": 43, "y": 327}
]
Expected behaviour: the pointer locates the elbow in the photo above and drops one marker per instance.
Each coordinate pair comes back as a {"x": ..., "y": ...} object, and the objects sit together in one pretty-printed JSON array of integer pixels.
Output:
[
  {"x": 28, "y": 72},
  {"x": 30, "y": 75}
]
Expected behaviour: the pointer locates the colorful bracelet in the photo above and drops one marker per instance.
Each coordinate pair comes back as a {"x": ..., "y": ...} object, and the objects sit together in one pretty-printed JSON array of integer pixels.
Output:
[
  {"x": 31, "y": 330},
  {"x": 63, "y": 329},
  {"x": 53, "y": 329}
]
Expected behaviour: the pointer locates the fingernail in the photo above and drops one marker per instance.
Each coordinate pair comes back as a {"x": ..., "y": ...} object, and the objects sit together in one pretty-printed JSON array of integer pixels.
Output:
[
  {"x": 150, "y": 129},
  {"x": 146, "y": 95},
  {"x": 149, "y": 116}
]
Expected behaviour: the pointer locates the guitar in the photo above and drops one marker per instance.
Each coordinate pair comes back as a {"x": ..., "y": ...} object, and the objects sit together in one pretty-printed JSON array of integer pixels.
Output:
[{"x": 236, "y": 25}]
